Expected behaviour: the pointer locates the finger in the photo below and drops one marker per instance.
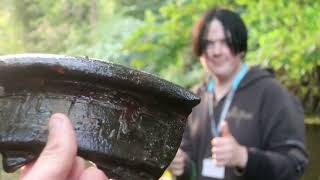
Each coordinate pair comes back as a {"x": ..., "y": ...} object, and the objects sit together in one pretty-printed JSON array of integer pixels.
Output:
[
  {"x": 77, "y": 168},
  {"x": 221, "y": 159},
  {"x": 219, "y": 163},
  {"x": 56, "y": 159},
  {"x": 225, "y": 157},
  {"x": 213, "y": 142},
  {"x": 25, "y": 169},
  {"x": 176, "y": 164},
  {"x": 222, "y": 154},
  {"x": 177, "y": 167},
  {"x": 93, "y": 173},
  {"x": 218, "y": 141},
  {"x": 177, "y": 172},
  {"x": 225, "y": 132},
  {"x": 179, "y": 158},
  {"x": 180, "y": 153},
  {"x": 226, "y": 148}
]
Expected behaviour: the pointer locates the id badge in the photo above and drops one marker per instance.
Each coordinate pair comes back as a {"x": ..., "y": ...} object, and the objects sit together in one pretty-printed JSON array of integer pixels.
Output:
[{"x": 209, "y": 169}]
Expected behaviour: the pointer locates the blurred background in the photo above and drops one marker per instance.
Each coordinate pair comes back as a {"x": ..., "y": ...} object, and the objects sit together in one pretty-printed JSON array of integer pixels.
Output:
[{"x": 155, "y": 36}]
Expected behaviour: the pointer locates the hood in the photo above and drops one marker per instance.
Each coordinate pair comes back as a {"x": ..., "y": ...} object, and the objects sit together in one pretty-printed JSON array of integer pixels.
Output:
[{"x": 256, "y": 73}]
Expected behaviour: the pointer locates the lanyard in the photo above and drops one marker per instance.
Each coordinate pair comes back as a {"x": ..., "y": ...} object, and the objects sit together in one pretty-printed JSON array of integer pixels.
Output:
[{"x": 216, "y": 129}]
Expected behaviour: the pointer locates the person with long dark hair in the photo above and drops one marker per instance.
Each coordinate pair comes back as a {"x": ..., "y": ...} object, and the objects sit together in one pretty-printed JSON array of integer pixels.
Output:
[{"x": 247, "y": 126}]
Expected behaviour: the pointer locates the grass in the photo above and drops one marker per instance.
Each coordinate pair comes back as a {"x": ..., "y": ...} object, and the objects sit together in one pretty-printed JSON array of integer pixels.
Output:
[{"x": 312, "y": 119}]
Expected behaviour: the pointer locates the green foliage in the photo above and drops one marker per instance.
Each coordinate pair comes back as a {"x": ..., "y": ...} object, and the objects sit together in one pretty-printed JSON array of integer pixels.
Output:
[
  {"x": 164, "y": 41},
  {"x": 9, "y": 41},
  {"x": 92, "y": 28},
  {"x": 50, "y": 26},
  {"x": 106, "y": 42},
  {"x": 283, "y": 35},
  {"x": 156, "y": 36},
  {"x": 136, "y": 8}
]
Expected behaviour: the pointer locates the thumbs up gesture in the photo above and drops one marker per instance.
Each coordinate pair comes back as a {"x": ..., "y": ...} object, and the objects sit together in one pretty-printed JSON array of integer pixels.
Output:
[
  {"x": 225, "y": 132},
  {"x": 226, "y": 151}
]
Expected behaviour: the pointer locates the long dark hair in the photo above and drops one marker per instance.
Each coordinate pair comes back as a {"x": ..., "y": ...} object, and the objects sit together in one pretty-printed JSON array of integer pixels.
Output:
[{"x": 234, "y": 28}]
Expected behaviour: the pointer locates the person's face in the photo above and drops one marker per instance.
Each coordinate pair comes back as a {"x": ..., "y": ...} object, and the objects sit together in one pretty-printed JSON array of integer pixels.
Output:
[{"x": 217, "y": 58}]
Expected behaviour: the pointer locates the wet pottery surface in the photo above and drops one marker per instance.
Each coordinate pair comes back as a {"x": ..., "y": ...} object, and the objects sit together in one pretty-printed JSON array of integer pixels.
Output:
[{"x": 128, "y": 122}]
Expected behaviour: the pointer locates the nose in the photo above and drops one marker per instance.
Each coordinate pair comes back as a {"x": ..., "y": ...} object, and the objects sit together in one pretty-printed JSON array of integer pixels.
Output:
[{"x": 216, "y": 49}]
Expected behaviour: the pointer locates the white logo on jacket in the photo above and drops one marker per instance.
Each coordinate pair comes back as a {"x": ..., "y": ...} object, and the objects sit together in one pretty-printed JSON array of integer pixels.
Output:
[{"x": 239, "y": 115}]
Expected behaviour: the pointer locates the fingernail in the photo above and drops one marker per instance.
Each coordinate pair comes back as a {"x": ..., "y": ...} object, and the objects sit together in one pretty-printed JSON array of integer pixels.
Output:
[{"x": 92, "y": 164}]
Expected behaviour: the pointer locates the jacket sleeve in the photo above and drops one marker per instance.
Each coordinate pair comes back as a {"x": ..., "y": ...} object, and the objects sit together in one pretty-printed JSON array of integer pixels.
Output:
[{"x": 283, "y": 154}]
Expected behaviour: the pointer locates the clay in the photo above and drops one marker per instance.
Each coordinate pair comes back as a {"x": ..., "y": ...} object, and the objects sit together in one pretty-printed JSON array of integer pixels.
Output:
[{"x": 130, "y": 123}]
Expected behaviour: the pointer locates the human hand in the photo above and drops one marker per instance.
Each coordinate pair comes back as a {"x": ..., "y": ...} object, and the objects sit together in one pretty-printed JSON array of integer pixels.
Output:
[
  {"x": 58, "y": 159},
  {"x": 226, "y": 151},
  {"x": 178, "y": 164}
]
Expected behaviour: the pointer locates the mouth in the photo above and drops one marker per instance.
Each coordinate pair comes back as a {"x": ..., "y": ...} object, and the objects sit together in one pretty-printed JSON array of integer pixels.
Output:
[{"x": 216, "y": 61}]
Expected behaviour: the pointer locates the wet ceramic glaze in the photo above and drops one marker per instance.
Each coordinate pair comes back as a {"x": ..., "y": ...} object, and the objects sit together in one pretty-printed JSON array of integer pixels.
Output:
[{"x": 128, "y": 122}]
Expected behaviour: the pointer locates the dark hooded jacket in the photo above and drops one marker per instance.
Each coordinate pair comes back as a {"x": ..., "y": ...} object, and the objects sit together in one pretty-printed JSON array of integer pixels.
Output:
[{"x": 265, "y": 118}]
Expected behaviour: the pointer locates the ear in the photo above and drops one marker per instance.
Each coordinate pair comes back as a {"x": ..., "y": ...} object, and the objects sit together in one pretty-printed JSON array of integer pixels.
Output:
[
  {"x": 241, "y": 55},
  {"x": 203, "y": 59}
]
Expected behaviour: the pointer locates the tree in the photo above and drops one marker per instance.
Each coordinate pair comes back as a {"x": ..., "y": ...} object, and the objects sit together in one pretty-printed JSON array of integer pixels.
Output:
[
  {"x": 93, "y": 28},
  {"x": 282, "y": 35}
]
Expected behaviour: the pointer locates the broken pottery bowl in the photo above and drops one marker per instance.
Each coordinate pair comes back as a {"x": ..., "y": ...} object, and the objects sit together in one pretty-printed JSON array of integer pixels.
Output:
[{"x": 129, "y": 123}]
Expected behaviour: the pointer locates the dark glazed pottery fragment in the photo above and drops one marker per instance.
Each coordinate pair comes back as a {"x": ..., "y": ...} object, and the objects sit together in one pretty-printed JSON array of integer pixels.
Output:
[{"x": 128, "y": 122}]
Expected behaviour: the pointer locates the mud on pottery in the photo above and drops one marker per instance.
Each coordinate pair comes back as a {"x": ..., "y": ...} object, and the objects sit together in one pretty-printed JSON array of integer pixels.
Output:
[{"x": 128, "y": 122}]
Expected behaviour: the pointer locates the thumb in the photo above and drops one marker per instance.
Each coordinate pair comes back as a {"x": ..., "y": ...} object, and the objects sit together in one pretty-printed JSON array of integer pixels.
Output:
[
  {"x": 225, "y": 132},
  {"x": 55, "y": 161}
]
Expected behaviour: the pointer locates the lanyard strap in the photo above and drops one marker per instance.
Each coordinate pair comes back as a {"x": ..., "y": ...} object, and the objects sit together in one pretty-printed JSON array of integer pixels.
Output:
[{"x": 216, "y": 129}]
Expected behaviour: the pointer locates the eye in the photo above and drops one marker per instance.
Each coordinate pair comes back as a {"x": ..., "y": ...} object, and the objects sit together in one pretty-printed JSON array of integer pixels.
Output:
[
  {"x": 223, "y": 41},
  {"x": 209, "y": 43}
]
